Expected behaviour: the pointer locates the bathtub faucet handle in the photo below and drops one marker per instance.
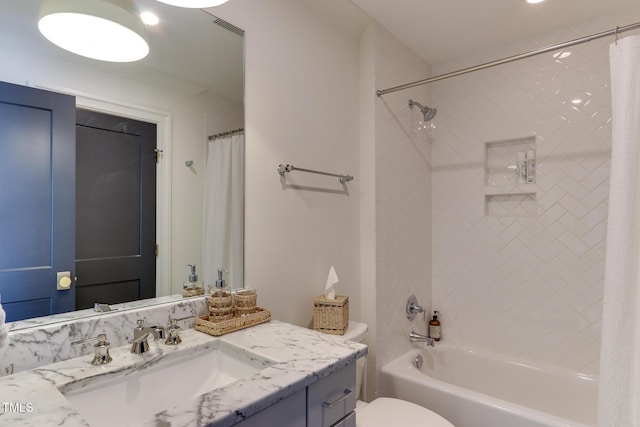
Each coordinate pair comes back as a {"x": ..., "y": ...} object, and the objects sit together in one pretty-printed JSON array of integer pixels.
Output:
[{"x": 413, "y": 308}]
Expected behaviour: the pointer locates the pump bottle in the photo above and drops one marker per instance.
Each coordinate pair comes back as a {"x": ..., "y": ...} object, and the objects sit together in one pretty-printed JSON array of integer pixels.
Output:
[
  {"x": 221, "y": 285},
  {"x": 191, "y": 286},
  {"x": 434, "y": 327}
]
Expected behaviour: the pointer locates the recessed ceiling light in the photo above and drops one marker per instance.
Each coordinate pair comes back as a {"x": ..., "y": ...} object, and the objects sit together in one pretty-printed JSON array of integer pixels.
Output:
[
  {"x": 94, "y": 29},
  {"x": 534, "y": 1},
  {"x": 194, "y": 3},
  {"x": 149, "y": 18},
  {"x": 576, "y": 101}
]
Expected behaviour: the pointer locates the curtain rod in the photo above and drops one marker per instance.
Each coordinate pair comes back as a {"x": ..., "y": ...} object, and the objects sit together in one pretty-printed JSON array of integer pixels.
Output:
[
  {"x": 220, "y": 135},
  {"x": 513, "y": 58}
]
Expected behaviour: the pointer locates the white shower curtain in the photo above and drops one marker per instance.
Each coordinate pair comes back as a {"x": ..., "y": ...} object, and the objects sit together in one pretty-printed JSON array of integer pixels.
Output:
[
  {"x": 224, "y": 211},
  {"x": 619, "y": 393}
]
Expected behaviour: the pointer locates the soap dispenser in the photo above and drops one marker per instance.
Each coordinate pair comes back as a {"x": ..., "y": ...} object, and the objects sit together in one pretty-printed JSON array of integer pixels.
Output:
[
  {"x": 191, "y": 287},
  {"x": 434, "y": 327},
  {"x": 221, "y": 285}
]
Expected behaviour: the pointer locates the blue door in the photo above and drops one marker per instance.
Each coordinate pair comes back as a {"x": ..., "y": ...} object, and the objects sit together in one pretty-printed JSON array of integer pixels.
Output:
[{"x": 37, "y": 200}]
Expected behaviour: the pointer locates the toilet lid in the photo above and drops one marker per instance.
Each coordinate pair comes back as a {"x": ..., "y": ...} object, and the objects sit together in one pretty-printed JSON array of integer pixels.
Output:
[{"x": 386, "y": 411}]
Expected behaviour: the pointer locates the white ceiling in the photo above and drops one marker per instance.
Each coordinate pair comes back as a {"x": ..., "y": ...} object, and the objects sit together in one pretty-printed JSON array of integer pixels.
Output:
[
  {"x": 436, "y": 30},
  {"x": 441, "y": 30}
]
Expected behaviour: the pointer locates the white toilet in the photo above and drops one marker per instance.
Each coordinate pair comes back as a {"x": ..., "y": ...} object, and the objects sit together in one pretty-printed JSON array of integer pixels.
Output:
[{"x": 386, "y": 411}]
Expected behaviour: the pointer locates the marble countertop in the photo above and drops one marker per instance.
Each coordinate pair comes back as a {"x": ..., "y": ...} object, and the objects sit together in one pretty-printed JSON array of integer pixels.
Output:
[
  {"x": 301, "y": 357},
  {"x": 71, "y": 316}
]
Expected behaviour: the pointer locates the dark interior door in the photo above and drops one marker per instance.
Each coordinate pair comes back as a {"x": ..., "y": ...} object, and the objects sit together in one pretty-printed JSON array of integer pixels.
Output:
[
  {"x": 115, "y": 209},
  {"x": 37, "y": 200}
]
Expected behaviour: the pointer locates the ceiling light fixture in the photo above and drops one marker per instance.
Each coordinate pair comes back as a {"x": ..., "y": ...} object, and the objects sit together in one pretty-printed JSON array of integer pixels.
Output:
[
  {"x": 194, "y": 3},
  {"x": 534, "y": 1},
  {"x": 97, "y": 29},
  {"x": 149, "y": 18}
]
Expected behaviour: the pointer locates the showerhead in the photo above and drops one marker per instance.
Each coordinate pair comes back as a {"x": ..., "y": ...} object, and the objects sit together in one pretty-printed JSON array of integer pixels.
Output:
[{"x": 429, "y": 113}]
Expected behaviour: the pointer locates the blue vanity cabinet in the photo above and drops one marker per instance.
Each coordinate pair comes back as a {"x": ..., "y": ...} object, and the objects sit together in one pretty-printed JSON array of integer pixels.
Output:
[
  {"x": 329, "y": 402},
  {"x": 289, "y": 412}
]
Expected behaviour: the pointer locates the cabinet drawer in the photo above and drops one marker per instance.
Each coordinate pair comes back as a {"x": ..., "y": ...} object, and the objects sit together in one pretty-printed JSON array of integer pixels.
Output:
[
  {"x": 332, "y": 398},
  {"x": 349, "y": 421}
]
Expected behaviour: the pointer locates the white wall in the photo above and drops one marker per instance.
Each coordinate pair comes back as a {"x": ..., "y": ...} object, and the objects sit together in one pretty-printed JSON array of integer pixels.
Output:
[
  {"x": 301, "y": 108},
  {"x": 527, "y": 286},
  {"x": 368, "y": 292}
]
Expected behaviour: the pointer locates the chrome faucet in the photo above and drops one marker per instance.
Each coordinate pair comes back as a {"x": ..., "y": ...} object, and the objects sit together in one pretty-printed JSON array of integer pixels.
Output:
[
  {"x": 173, "y": 335},
  {"x": 141, "y": 333},
  {"x": 101, "y": 349},
  {"x": 416, "y": 337}
]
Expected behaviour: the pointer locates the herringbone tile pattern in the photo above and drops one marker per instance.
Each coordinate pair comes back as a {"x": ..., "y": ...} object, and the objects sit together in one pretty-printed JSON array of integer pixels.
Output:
[{"x": 521, "y": 283}]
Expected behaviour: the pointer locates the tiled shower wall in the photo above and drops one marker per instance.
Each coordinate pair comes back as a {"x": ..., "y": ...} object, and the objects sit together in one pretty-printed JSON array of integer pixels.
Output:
[
  {"x": 524, "y": 283},
  {"x": 403, "y": 197}
]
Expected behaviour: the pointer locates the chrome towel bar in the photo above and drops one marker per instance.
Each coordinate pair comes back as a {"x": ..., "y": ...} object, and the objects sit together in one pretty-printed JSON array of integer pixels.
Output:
[{"x": 282, "y": 169}]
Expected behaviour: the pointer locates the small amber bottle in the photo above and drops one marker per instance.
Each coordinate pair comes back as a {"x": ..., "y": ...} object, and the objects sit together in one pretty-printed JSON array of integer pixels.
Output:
[{"x": 434, "y": 327}]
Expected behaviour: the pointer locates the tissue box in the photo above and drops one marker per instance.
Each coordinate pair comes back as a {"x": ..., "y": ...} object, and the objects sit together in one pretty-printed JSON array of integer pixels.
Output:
[{"x": 331, "y": 316}]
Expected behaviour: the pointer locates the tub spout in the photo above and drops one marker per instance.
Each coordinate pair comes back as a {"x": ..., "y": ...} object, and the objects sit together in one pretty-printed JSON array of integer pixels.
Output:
[{"x": 416, "y": 337}]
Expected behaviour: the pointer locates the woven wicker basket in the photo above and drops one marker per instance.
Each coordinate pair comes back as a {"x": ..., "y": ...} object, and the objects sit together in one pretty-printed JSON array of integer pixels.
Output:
[
  {"x": 331, "y": 316},
  {"x": 216, "y": 301},
  {"x": 186, "y": 293},
  {"x": 246, "y": 299}
]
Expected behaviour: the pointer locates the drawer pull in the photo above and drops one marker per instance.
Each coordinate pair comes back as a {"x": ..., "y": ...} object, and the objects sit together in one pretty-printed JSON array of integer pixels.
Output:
[{"x": 346, "y": 394}]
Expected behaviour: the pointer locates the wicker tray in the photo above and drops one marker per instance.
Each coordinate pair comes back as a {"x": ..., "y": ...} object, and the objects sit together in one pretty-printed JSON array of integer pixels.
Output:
[{"x": 216, "y": 329}]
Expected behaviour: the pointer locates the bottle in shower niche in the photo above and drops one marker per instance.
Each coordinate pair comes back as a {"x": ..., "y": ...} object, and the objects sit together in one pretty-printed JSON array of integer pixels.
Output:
[
  {"x": 531, "y": 167},
  {"x": 434, "y": 327},
  {"x": 521, "y": 168}
]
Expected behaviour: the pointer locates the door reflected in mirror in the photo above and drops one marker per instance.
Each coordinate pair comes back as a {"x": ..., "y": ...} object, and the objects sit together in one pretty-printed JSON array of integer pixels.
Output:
[{"x": 190, "y": 87}]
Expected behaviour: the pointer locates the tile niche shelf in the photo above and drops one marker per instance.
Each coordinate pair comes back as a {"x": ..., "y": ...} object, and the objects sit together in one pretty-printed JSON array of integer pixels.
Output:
[{"x": 503, "y": 195}]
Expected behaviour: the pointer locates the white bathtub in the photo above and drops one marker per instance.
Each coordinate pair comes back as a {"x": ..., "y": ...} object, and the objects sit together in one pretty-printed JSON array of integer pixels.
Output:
[{"x": 475, "y": 389}]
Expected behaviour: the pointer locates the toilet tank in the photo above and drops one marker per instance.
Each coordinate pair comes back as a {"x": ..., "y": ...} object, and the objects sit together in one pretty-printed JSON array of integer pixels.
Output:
[{"x": 357, "y": 332}]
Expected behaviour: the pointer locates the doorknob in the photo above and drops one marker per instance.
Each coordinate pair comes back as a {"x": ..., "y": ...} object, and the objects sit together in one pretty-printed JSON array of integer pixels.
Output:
[{"x": 63, "y": 280}]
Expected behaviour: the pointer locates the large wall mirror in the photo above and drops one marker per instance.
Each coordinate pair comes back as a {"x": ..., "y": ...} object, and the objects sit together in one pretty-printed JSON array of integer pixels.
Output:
[{"x": 191, "y": 89}]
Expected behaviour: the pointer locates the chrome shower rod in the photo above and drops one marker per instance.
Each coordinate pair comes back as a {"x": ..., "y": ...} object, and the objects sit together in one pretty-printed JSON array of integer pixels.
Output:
[
  {"x": 223, "y": 134},
  {"x": 612, "y": 32},
  {"x": 282, "y": 169}
]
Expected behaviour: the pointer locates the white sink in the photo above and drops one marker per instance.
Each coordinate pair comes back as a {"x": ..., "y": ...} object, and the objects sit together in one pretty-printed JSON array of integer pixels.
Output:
[{"x": 120, "y": 399}]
